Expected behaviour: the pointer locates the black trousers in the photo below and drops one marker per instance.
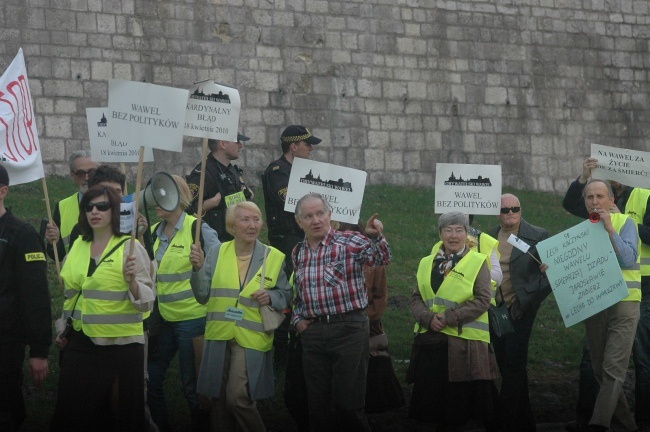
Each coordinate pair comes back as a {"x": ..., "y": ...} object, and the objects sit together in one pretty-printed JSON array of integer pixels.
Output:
[{"x": 12, "y": 404}]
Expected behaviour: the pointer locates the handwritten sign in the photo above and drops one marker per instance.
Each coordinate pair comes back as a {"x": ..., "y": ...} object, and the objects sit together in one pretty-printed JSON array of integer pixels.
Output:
[
  {"x": 212, "y": 111},
  {"x": 470, "y": 189},
  {"x": 628, "y": 167},
  {"x": 583, "y": 271},
  {"x": 342, "y": 187},
  {"x": 100, "y": 145},
  {"x": 142, "y": 114}
]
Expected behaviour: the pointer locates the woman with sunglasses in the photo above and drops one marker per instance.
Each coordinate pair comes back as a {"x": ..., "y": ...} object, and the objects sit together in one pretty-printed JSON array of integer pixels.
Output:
[
  {"x": 106, "y": 293},
  {"x": 453, "y": 364}
]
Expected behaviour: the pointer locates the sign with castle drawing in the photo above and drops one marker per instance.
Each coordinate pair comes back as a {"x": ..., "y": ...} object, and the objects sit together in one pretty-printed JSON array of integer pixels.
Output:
[
  {"x": 212, "y": 111},
  {"x": 470, "y": 189},
  {"x": 342, "y": 187},
  {"x": 100, "y": 144}
]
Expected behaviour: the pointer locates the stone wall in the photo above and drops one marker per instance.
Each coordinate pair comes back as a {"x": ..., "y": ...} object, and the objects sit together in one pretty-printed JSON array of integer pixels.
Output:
[{"x": 392, "y": 86}]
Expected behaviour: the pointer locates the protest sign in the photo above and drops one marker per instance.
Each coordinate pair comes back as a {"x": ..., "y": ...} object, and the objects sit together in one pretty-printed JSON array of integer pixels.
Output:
[
  {"x": 100, "y": 144},
  {"x": 342, "y": 187},
  {"x": 583, "y": 271},
  {"x": 212, "y": 111},
  {"x": 142, "y": 114},
  {"x": 20, "y": 150},
  {"x": 470, "y": 189},
  {"x": 628, "y": 167}
]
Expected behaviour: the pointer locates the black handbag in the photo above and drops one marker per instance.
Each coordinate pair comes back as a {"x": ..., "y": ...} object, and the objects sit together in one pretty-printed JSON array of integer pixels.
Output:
[{"x": 500, "y": 320}]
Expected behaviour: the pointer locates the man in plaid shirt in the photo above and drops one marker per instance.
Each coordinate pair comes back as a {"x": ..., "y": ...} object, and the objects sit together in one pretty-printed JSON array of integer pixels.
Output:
[{"x": 330, "y": 313}]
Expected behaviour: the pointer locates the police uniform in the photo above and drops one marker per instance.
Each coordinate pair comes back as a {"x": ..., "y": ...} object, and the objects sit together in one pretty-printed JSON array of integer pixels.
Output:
[
  {"x": 218, "y": 178},
  {"x": 284, "y": 231},
  {"x": 25, "y": 312}
]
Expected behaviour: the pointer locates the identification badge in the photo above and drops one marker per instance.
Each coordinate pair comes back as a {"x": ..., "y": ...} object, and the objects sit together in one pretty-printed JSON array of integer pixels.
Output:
[
  {"x": 235, "y": 314},
  {"x": 236, "y": 198}
]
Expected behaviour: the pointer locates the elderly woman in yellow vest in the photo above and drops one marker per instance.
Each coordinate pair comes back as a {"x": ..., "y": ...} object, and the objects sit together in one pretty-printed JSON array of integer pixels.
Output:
[
  {"x": 182, "y": 317},
  {"x": 237, "y": 367},
  {"x": 107, "y": 291},
  {"x": 452, "y": 365}
]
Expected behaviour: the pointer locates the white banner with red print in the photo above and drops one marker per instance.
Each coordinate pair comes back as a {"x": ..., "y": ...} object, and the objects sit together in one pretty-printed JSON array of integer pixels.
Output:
[{"x": 20, "y": 151}]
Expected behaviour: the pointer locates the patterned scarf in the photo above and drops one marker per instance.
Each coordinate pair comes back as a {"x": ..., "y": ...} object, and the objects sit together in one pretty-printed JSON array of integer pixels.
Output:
[{"x": 445, "y": 262}]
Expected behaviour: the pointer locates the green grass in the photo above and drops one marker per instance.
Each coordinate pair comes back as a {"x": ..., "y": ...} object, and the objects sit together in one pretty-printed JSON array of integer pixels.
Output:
[{"x": 410, "y": 226}]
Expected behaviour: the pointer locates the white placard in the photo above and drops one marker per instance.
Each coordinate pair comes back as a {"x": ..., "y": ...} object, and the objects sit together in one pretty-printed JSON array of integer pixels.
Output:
[
  {"x": 470, "y": 189},
  {"x": 100, "y": 145},
  {"x": 342, "y": 187},
  {"x": 142, "y": 114},
  {"x": 20, "y": 151},
  {"x": 583, "y": 271},
  {"x": 518, "y": 243},
  {"x": 212, "y": 111},
  {"x": 628, "y": 167}
]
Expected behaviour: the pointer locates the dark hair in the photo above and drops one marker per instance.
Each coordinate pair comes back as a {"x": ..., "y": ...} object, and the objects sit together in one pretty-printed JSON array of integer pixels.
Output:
[
  {"x": 286, "y": 146},
  {"x": 107, "y": 173},
  {"x": 113, "y": 198}
]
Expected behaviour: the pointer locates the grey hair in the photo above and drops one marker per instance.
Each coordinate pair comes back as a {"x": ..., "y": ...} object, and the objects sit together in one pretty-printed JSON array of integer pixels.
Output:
[
  {"x": 605, "y": 182},
  {"x": 310, "y": 196},
  {"x": 453, "y": 218},
  {"x": 76, "y": 155}
]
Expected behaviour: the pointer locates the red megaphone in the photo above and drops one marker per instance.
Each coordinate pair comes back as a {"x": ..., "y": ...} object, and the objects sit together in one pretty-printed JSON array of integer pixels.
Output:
[{"x": 594, "y": 217}]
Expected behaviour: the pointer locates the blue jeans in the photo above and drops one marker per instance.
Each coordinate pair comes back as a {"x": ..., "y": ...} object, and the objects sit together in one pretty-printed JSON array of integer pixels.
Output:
[
  {"x": 511, "y": 352},
  {"x": 641, "y": 358},
  {"x": 173, "y": 337}
]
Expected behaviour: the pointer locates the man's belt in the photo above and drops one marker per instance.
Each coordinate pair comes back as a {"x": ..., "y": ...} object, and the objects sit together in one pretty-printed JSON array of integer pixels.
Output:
[{"x": 358, "y": 315}]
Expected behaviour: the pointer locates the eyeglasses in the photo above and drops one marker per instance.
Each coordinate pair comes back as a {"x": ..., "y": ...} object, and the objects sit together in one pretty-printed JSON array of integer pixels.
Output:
[
  {"x": 82, "y": 173},
  {"x": 506, "y": 210},
  {"x": 102, "y": 206}
]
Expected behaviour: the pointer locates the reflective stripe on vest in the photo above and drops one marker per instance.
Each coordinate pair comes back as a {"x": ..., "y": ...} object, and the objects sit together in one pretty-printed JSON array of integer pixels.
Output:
[
  {"x": 104, "y": 308},
  {"x": 176, "y": 300},
  {"x": 69, "y": 212},
  {"x": 636, "y": 209},
  {"x": 224, "y": 293},
  {"x": 632, "y": 275},
  {"x": 456, "y": 288}
]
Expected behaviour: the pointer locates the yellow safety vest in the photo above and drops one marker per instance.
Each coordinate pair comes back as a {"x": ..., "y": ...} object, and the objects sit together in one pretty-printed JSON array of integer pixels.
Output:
[
  {"x": 103, "y": 308},
  {"x": 176, "y": 300},
  {"x": 486, "y": 243},
  {"x": 632, "y": 276},
  {"x": 224, "y": 294},
  {"x": 69, "y": 211},
  {"x": 636, "y": 209},
  {"x": 457, "y": 288}
]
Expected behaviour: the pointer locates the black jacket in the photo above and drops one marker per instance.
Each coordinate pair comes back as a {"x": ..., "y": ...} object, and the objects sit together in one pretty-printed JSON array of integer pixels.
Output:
[
  {"x": 530, "y": 285},
  {"x": 25, "y": 305},
  {"x": 218, "y": 178}
]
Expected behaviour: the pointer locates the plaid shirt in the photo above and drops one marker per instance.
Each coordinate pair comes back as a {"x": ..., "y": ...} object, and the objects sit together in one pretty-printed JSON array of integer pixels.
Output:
[{"x": 329, "y": 280}]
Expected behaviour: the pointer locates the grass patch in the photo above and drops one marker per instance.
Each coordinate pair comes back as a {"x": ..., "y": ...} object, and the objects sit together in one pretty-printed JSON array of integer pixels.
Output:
[{"x": 410, "y": 226}]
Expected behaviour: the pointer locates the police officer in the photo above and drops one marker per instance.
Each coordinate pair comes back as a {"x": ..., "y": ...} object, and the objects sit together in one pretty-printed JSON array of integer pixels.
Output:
[
  {"x": 224, "y": 184},
  {"x": 284, "y": 232},
  {"x": 25, "y": 314}
]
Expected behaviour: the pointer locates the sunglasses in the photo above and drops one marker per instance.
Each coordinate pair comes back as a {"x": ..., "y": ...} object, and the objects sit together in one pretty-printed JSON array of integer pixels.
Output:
[
  {"x": 102, "y": 206},
  {"x": 506, "y": 210},
  {"x": 82, "y": 173}
]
